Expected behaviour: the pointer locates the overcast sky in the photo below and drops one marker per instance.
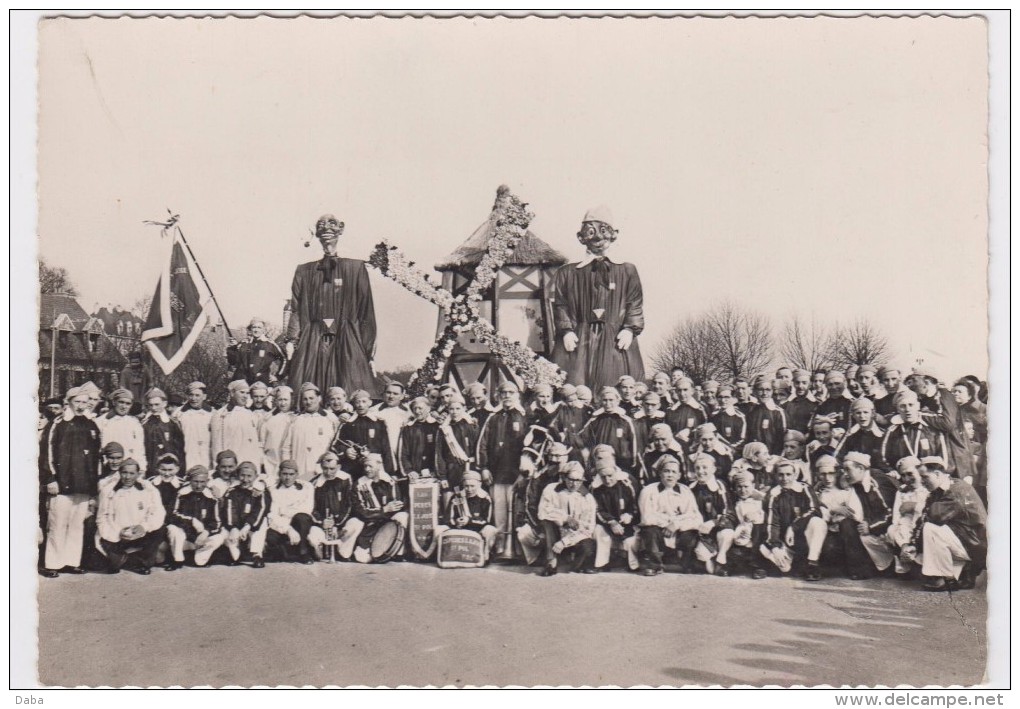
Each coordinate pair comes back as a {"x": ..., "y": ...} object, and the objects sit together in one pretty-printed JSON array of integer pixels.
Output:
[{"x": 826, "y": 167}]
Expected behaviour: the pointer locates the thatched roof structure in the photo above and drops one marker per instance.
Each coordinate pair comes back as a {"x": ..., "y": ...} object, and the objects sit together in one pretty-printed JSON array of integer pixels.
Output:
[{"x": 530, "y": 249}]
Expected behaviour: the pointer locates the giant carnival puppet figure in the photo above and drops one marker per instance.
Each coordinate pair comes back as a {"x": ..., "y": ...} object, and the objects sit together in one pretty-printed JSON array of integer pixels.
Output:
[
  {"x": 598, "y": 311},
  {"x": 331, "y": 332}
]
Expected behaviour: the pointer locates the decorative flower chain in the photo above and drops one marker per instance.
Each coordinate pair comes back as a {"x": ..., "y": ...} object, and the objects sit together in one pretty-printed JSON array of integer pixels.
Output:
[
  {"x": 392, "y": 262},
  {"x": 462, "y": 311}
]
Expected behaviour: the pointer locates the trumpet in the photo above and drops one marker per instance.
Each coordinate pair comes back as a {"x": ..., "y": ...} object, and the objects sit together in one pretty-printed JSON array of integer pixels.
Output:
[
  {"x": 459, "y": 507},
  {"x": 340, "y": 446}
]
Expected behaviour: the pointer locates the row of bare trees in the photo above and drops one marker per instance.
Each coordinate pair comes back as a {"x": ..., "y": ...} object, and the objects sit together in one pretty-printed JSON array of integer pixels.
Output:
[{"x": 728, "y": 342}]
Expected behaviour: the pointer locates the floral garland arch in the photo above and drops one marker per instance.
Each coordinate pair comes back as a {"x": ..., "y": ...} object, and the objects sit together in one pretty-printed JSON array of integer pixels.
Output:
[{"x": 462, "y": 311}]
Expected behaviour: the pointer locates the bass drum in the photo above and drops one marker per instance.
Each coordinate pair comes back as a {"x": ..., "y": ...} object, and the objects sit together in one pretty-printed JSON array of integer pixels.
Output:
[{"x": 388, "y": 540}]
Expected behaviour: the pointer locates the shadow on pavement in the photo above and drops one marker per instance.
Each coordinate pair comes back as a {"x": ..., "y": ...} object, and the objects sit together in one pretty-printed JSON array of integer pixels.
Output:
[{"x": 685, "y": 675}]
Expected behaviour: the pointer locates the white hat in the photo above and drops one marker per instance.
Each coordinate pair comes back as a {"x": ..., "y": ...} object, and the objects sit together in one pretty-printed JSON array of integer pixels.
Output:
[{"x": 600, "y": 213}]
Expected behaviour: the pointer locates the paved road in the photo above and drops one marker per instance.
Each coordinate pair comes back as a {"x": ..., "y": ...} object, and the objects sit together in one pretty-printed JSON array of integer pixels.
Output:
[{"x": 413, "y": 624}]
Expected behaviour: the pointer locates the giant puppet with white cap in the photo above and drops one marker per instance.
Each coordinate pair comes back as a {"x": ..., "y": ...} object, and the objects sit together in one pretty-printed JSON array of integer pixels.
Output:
[{"x": 598, "y": 310}]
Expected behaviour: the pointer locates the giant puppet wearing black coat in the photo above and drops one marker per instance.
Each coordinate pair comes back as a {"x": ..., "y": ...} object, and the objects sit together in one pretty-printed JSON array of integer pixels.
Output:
[
  {"x": 333, "y": 322},
  {"x": 595, "y": 300}
]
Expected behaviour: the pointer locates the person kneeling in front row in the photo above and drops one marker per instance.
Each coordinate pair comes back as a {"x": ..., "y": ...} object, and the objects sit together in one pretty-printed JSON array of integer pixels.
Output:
[
  {"x": 244, "y": 517},
  {"x": 195, "y": 521},
  {"x": 130, "y": 520},
  {"x": 794, "y": 524},
  {"x": 670, "y": 519},
  {"x": 336, "y": 526},
  {"x": 290, "y": 515},
  {"x": 376, "y": 502},
  {"x": 471, "y": 509},
  {"x": 616, "y": 497},
  {"x": 952, "y": 535},
  {"x": 567, "y": 512}
]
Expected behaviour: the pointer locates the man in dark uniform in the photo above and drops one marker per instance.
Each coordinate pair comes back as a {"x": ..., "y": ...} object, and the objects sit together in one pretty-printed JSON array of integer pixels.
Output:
[
  {"x": 456, "y": 447},
  {"x": 647, "y": 416},
  {"x": 69, "y": 470},
  {"x": 686, "y": 414},
  {"x": 864, "y": 542},
  {"x": 244, "y": 510},
  {"x": 500, "y": 450},
  {"x": 195, "y": 521},
  {"x": 745, "y": 400},
  {"x": 729, "y": 421},
  {"x": 952, "y": 533},
  {"x": 766, "y": 422},
  {"x": 706, "y": 442},
  {"x": 836, "y": 407},
  {"x": 167, "y": 481},
  {"x": 570, "y": 417},
  {"x": 135, "y": 378},
  {"x": 912, "y": 435},
  {"x": 471, "y": 509},
  {"x": 416, "y": 449},
  {"x": 616, "y": 510},
  {"x": 795, "y": 530},
  {"x": 162, "y": 434},
  {"x": 611, "y": 426},
  {"x": 477, "y": 398},
  {"x": 367, "y": 433},
  {"x": 800, "y": 407},
  {"x": 257, "y": 359},
  {"x": 864, "y": 435},
  {"x": 889, "y": 377},
  {"x": 333, "y": 323},
  {"x": 376, "y": 501},
  {"x": 333, "y": 513},
  {"x": 598, "y": 309}
]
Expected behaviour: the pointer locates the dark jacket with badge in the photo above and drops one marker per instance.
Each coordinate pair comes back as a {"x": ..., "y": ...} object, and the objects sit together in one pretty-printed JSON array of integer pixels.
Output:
[
  {"x": 768, "y": 426},
  {"x": 162, "y": 437},
  {"x": 242, "y": 506},
  {"x": 876, "y": 502},
  {"x": 190, "y": 506},
  {"x": 334, "y": 499},
  {"x": 417, "y": 447},
  {"x": 478, "y": 511},
  {"x": 70, "y": 456},
  {"x": 612, "y": 501},
  {"x": 960, "y": 509},
  {"x": 255, "y": 360},
  {"x": 501, "y": 443}
]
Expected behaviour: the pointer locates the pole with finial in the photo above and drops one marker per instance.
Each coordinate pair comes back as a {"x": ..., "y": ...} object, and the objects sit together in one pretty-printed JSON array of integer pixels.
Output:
[{"x": 171, "y": 223}]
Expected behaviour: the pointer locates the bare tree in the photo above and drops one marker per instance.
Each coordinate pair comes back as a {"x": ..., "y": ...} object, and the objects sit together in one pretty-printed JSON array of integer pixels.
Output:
[
  {"x": 691, "y": 345},
  {"x": 725, "y": 343},
  {"x": 807, "y": 345},
  {"x": 55, "y": 280},
  {"x": 860, "y": 342},
  {"x": 141, "y": 308},
  {"x": 744, "y": 340}
]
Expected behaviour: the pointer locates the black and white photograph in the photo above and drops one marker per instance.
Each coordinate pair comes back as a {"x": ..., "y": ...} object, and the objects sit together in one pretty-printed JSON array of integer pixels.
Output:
[{"x": 509, "y": 350}]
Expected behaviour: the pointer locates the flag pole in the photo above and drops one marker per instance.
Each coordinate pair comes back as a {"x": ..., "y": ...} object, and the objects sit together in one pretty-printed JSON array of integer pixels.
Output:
[
  {"x": 204, "y": 280},
  {"x": 172, "y": 222}
]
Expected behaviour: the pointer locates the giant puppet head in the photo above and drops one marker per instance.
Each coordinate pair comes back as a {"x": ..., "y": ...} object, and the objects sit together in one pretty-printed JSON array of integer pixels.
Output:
[
  {"x": 597, "y": 232},
  {"x": 328, "y": 230}
]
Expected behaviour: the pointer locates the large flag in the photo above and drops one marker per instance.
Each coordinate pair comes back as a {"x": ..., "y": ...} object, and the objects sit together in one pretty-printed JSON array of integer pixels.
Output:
[{"x": 179, "y": 311}]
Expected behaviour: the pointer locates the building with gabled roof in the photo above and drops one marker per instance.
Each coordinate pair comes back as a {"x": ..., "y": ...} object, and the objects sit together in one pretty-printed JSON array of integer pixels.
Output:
[
  {"x": 518, "y": 303},
  {"x": 74, "y": 347}
]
